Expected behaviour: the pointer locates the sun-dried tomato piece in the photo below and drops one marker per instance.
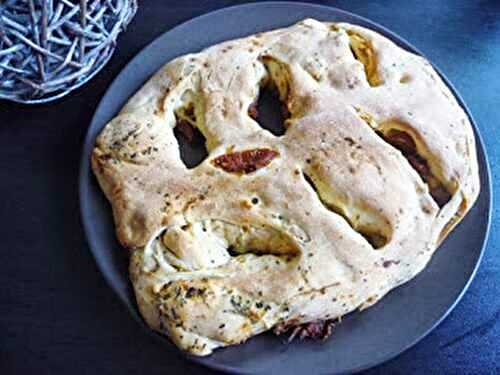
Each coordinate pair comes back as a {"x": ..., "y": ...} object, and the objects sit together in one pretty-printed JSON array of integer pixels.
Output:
[
  {"x": 319, "y": 330},
  {"x": 247, "y": 161}
]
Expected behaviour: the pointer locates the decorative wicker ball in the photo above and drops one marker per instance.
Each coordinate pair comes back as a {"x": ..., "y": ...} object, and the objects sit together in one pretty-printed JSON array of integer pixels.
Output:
[{"x": 50, "y": 47}]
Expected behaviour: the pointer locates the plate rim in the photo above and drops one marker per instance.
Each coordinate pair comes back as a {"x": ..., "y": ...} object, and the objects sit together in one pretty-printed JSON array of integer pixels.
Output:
[{"x": 89, "y": 142}]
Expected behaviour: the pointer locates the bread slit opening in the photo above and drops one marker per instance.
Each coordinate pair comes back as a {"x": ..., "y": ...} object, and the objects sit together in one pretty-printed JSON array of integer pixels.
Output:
[
  {"x": 191, "y": 141},
  {"x": 211, "y": 243},
  {"x": 271, "y": 108},
  {"x": 361, "y": 222},
  {"x": 398, "y": 135},
  {"x": 268, "y": 111},
  {"x": 364, "y": 52},
  {"x": 405, "y": 143}
]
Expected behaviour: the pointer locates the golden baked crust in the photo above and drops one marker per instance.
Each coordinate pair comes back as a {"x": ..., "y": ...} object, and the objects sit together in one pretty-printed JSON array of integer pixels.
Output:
[{"x": 328, "y": 222}]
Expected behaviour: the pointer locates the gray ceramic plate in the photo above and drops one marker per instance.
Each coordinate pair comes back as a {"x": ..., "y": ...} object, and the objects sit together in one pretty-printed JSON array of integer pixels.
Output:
[{"x": 364, "y": 339}]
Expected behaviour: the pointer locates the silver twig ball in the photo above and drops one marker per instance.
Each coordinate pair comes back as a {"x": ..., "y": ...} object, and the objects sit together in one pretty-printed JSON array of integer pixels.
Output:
[{"x": 50, "y": 47}]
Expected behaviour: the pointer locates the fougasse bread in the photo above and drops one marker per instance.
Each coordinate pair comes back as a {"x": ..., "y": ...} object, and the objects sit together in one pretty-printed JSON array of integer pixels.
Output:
[{"x": 376, "y": 165}]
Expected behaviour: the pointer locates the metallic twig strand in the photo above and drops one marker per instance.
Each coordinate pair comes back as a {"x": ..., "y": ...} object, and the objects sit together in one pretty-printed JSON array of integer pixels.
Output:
[{"x": 50, "y": 47}]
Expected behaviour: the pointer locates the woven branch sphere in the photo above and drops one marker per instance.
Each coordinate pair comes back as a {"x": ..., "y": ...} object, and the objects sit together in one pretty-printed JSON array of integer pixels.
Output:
[{"x": 50, "y": 47}]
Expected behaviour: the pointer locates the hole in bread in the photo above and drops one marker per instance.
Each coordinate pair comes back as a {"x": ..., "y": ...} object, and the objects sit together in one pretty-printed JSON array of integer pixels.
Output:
[
  {"x": 268, "y": 111},
  {"x": 212, "y": 242},
  {"x": 405, "y": 143},
  {"x": 259, "y": 240},
  {"x": 232, "y": 252},
  {"x": 398, "y": 135},
  {"x": 362, "y": 222},
  {"x": 364, "y": 52},
  {"x": 192, "y": 143}
]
